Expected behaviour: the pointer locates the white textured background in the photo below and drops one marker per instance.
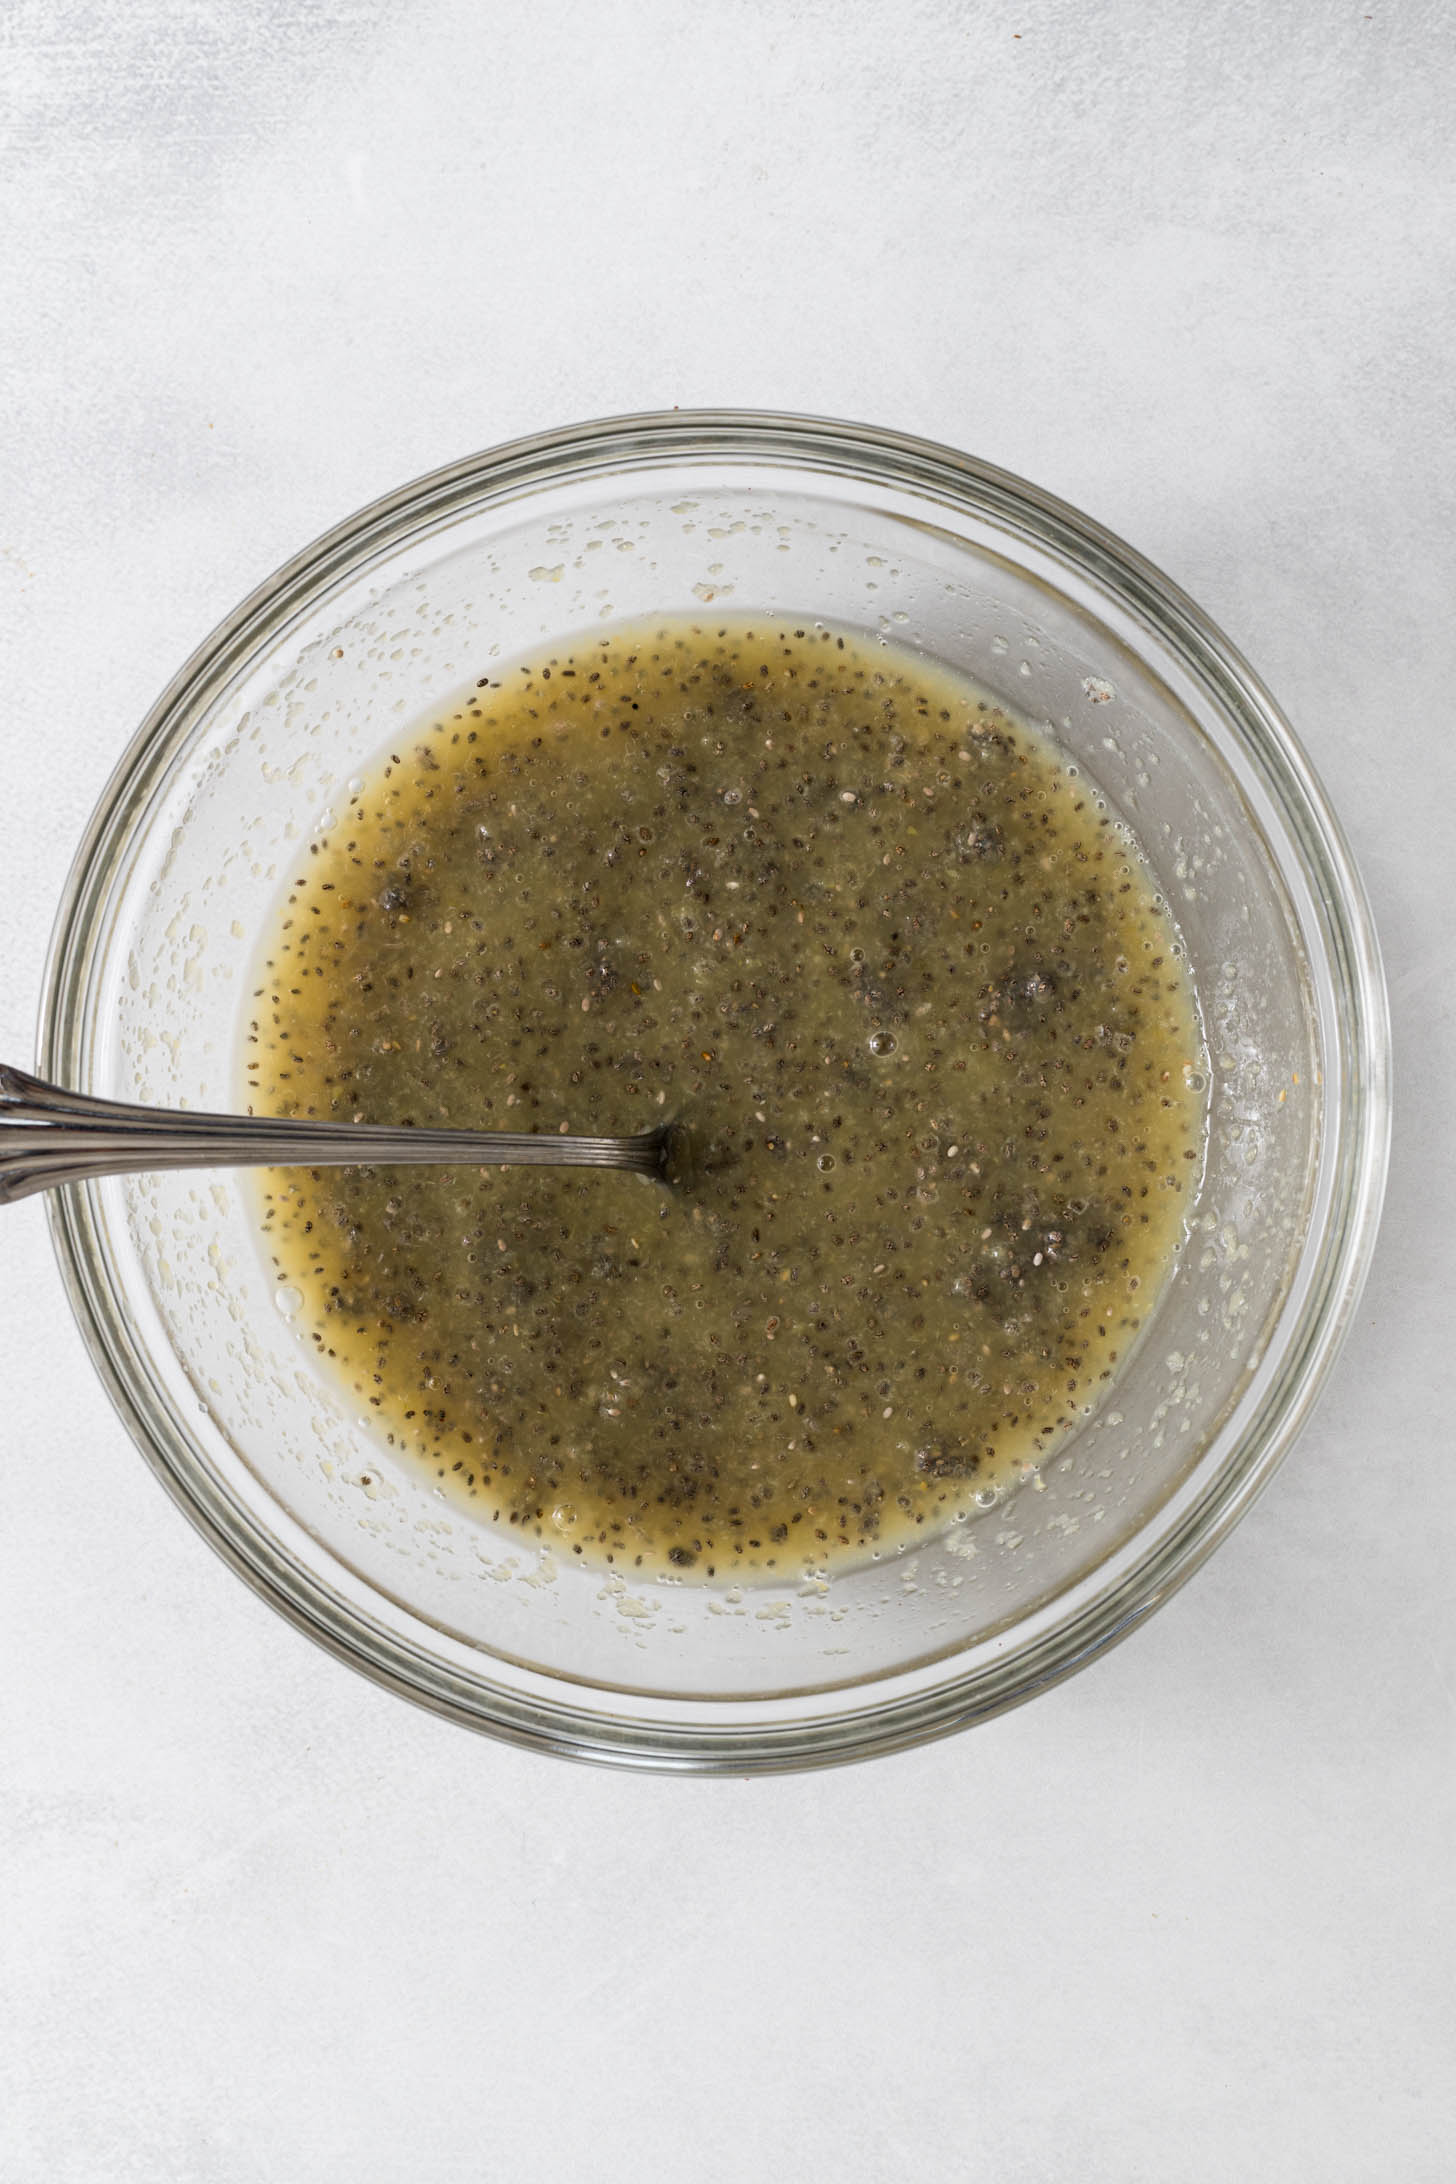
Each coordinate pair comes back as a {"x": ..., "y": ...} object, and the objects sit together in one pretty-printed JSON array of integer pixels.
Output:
[{"x": 1191, "y": 1915}]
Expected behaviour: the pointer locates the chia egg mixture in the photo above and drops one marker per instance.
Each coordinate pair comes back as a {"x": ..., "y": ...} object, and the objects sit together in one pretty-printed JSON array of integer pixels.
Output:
[{"x": 908, "y": 985}]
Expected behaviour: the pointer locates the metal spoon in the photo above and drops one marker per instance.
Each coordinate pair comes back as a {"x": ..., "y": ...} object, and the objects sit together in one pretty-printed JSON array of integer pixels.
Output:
[{"x": 48, "y": 1136}]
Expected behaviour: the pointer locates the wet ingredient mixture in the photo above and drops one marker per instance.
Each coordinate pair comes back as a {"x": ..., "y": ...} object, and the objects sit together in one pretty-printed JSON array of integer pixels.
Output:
[{"x": 905, "y": 980}]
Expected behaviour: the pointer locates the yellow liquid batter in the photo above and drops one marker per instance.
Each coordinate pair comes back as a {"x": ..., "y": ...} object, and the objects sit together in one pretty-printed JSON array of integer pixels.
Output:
[{"x": 901, "y": 975}]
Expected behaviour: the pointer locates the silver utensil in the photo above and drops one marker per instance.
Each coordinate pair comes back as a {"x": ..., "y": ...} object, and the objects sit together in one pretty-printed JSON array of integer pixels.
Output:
[{"x": 48, "y": 1136}]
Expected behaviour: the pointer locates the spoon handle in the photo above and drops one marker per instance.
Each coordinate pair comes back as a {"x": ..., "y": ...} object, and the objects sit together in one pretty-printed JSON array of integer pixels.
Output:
[{"x": 48, "y": 1136}]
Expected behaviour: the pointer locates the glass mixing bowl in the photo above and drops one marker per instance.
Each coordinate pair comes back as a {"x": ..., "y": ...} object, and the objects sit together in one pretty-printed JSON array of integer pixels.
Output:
[{"x": 241, "y": 762}]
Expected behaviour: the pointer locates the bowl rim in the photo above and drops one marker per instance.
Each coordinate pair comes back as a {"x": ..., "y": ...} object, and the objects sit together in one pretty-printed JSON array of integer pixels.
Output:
[{"x": 898, "y": 1711}]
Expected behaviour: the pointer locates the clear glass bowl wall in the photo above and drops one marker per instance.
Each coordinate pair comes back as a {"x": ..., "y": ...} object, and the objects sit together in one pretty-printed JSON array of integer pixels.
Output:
[{"x": 250, "y": 755}]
